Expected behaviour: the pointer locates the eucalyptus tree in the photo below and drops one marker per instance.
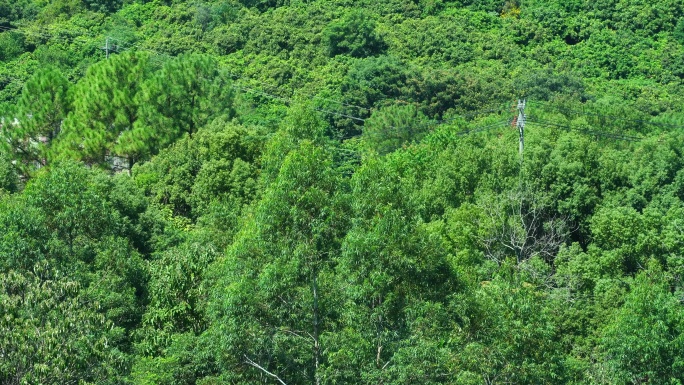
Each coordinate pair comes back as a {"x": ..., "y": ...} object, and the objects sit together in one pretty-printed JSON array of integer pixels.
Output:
[
  {"x": 274, "y": 298},
  {"x": 644, "y": 340}
]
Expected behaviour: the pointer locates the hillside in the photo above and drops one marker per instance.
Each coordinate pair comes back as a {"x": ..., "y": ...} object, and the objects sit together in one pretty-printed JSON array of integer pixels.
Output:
[{"x": 337, "y": 192}]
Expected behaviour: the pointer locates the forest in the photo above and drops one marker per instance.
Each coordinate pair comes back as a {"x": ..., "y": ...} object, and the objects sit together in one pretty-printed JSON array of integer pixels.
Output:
[{"x": 334, "y": 192}]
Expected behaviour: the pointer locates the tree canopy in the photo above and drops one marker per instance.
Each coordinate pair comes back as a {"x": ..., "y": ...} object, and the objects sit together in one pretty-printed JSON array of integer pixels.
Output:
[{"x": 281, "y": 192}]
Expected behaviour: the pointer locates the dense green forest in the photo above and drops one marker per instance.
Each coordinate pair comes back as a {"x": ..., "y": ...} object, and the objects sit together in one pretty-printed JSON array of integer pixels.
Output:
[{"x": 331, "y": 192}]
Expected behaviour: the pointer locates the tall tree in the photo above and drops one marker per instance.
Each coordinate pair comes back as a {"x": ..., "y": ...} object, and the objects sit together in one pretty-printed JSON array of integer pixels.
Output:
[
  {"x": 70, "y": 283},
  {"x": 273, "y": 300},
  {"x": 43, "y": 105},
  {"x": 189, "y": 92},
  {"x": 105, "y": 107},
  {"x": 393, "y": 271},
  {"x": 644, "y": 342}
]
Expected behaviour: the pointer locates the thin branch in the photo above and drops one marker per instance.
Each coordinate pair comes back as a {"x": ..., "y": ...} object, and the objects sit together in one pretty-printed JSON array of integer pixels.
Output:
[
  {"x": 296, "y": 333},
  {"x": 248, "y": 361}
]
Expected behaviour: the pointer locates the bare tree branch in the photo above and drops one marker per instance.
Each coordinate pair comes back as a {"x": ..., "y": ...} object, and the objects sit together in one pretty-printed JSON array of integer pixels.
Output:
[
  {"x": 521, "y": 224},
  {"x": 248, "y": 361}
]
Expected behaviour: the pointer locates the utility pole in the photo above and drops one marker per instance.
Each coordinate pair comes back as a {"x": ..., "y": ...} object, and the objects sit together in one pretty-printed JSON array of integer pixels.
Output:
[
  {"x": 106, "y": 47},
  {"x": 520, "y": 123}
]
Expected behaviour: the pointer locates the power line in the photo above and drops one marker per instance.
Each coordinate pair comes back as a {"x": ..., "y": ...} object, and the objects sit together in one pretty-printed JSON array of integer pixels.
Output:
[
  {"x": 392, "y": 128},
  {"x": 340, "y": 114},
  {"x": 46, "y": 35},
  {"x": 117, "y": 48},
  {"x": 336, "y": 113},
  {"x": 586, "y": 130},
  {"x": 263, "y": 93},
  {"x": 435, "y": 123},
  {"x": 292, "y": 92},
  {"x": 482, "y": 128},
  {"x": 288, "y": 100},
  {"x": 606, "y": 116},
  {"x": 268, "y": 85},
  {"x": 340, "y": 103},
  {"x": 23, "y": 32}
]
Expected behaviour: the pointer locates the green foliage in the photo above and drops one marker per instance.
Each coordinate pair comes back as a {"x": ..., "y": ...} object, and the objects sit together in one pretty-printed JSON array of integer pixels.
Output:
[
  {"x": 15, "y": 10},
  {"x": 368, "y": 83},
  {"x": 24, "y": 241},
  {"x": 11, "y": 45},
  {"x": 52, "y": 333},
  {"x": 396, "y": 280},
  {"x": 105, "y": 107},
  {"x": 354, "y": 35},
  {"x": 43, "y": 105},
  {"x": 547, "y": 85},
  {"x": 440, "y": 41},
  {"x": 373, "y": 79},
  {"x": 513, "y": 335},
  {"x": 644, "y": 342},
  {"x": 176, "y": 297},
  {"x": 185, "y": 95},
  {"x": 103, "y": 5},
  {"x": 8, "y": 176},
  {"x": 262, "y": 5},
  {"x": 72, "y": 207},
  {"x": 274, "y": 295},
  {"x": 67, "y": 272},
  {"x": 215, "y": 165},
  {"x": 331, "y": 192},
  {"x": 117, "y": 111},
  {"x": 391, "y": 127},
  {"x": 679, "y": 31}
]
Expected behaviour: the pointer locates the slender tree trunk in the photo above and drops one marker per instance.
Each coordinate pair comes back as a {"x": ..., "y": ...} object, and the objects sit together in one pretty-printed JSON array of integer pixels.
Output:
[
  {"x": 317, "y": 346},
  {"x": 131, "y": 162},
  {"x": 379, "y": 335}
]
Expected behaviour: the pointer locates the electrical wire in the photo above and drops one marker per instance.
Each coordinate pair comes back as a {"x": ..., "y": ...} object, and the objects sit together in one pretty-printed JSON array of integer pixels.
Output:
[
  {"x": 434, "y": 123},
  {"x": 482, "y": 128},
  {"x": 237, "y": 77},
  {"x": 338, "y": 102},
  {"x": 586, "y": 130},
  {"x": 356, "y": 118},
  {"x": 606, "y": 116},
  {"x": 45, "y": 35}
]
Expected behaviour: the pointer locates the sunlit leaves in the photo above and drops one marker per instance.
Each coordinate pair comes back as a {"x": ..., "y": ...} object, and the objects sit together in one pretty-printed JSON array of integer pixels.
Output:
[
  {"x": 353, "y": 35},
  {"x": 105, "y": 107},
  {"x": 43, "y": 105}
]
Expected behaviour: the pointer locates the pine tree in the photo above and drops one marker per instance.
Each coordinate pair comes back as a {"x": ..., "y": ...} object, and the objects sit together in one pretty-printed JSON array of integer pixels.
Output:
[
  {"x": 105, "y": 108},
  {"x": 43, "y": 105},
  {"x": 189, "y": 92}
]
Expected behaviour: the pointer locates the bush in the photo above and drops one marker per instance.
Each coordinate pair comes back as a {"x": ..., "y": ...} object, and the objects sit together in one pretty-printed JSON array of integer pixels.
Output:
[{"x": 353, "y": 35}]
